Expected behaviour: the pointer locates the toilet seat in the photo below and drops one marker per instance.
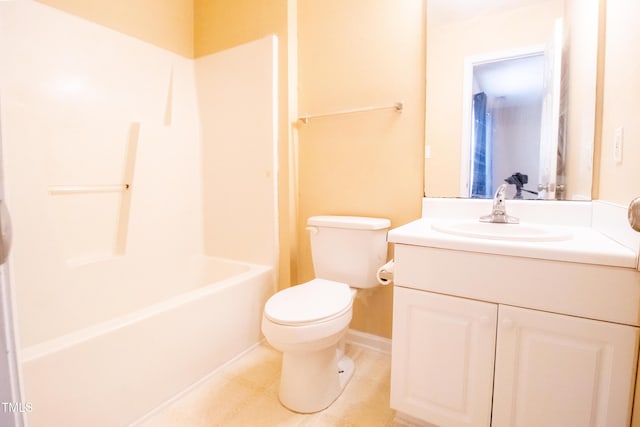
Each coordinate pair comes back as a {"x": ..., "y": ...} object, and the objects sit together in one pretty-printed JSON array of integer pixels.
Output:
[{"x": 318, "y": 300}]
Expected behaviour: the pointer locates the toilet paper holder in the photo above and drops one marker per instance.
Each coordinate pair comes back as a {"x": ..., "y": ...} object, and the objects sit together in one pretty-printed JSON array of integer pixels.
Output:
[{"x": 384, "y": 275}]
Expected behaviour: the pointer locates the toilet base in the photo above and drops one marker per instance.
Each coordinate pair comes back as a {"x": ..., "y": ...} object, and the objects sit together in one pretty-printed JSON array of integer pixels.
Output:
[
  {"x": 346, "y": 368},
  {"x": 311, "y": 381}
]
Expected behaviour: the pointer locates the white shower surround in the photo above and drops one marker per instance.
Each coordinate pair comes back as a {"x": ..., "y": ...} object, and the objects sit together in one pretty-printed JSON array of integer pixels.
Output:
[{"x": 73, "y": 97}]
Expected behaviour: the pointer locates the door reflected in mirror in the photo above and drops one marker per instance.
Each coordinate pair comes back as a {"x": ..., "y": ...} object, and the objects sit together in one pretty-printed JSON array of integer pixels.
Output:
[
  {"x": 504, "y": 124},
  {"x": 511, "y": 97}
]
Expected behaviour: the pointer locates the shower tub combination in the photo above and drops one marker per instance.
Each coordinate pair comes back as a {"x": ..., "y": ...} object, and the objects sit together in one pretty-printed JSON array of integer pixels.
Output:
[{"x": 154, "y": 328}]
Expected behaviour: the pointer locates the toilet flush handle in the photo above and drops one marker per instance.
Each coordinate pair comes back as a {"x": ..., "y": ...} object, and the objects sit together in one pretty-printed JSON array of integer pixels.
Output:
[{"x": 312, "y": 230}]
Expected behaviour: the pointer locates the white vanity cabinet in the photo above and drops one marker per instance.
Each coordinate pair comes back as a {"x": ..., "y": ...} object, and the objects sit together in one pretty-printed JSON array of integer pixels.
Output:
[
  {"x": 491, "y": 340},
  {"x": 557, "y": 370},
  {"x": 442, "y": 358}
]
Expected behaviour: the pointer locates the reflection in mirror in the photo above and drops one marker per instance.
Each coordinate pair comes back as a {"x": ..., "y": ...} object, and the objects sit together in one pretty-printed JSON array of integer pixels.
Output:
[
  {"x": 505, "y": 123},
  {"x": 510, "y": 97}
]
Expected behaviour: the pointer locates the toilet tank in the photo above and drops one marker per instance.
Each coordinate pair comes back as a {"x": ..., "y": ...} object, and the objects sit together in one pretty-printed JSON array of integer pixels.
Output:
[{"x": 348, "y": 249}]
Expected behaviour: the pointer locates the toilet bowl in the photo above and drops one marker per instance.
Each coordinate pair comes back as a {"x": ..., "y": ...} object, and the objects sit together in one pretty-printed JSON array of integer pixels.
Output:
[
  {"x": 307, "y": 322},
  {"x": 314, "y": 371}
]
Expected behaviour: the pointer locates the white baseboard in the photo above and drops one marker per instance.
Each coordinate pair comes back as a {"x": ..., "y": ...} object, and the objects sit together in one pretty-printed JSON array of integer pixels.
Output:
[
  {"x": 370, "y": 341},
  {"x": 404, "y": 420}
]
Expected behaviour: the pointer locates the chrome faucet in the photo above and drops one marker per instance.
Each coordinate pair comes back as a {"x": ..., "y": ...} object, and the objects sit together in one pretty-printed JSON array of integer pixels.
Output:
[{"x": 499, "y": 212}]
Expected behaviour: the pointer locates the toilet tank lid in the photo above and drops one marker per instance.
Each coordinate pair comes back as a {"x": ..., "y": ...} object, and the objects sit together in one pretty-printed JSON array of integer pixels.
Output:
[{"x": 350, "y": 222}]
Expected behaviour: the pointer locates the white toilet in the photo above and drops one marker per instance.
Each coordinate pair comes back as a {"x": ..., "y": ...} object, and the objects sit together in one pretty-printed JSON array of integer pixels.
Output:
[{"x": 306, "y": 322}]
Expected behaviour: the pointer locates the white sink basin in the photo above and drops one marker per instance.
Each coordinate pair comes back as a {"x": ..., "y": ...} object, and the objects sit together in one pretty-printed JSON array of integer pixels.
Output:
[{"x": 496, "y": 231}]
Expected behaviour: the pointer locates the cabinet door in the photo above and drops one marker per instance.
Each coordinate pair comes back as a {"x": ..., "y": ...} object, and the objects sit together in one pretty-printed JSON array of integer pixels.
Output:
[
  {"x": 442, "y": 358},
  {"x": 555, "y": 370}
]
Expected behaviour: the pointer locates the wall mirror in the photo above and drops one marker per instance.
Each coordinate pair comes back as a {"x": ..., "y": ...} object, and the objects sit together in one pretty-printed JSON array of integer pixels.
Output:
[{"x": 511, "y": 88}]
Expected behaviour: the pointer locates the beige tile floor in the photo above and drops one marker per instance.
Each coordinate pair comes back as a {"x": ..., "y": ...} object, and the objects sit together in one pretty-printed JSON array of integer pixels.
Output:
[{"x": 245, "y": 393}]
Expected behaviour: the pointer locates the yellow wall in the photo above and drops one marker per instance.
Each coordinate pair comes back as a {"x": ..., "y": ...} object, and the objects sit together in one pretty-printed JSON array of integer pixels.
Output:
[
  {"x": 352, "y": 54},
  {"x": 620, "y": 183},
  {"x": 220, "y": 24},
  {"x": 166, "y": 23}
]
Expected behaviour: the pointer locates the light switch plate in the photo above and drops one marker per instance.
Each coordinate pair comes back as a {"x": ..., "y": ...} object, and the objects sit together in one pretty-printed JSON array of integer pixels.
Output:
[{"x": 617, "y": 144}]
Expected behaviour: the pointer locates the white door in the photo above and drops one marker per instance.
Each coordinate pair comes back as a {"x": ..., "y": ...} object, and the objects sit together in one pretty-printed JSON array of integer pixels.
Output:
[
  {"x": 442, "y": 358},
  {"x": 555, "y": 370}
]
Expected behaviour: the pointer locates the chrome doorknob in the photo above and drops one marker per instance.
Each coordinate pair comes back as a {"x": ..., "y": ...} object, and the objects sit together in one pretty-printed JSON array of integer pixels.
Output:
[{"x": 5, "y": 232}]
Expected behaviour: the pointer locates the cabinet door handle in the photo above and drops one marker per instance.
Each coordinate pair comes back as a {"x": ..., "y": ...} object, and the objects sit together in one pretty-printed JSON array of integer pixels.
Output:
[{"x": 508, "y": 323}]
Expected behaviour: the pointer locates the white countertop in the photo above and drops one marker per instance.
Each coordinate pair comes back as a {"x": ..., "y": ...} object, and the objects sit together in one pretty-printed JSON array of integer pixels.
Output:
[{"x": 586, "y": 245}]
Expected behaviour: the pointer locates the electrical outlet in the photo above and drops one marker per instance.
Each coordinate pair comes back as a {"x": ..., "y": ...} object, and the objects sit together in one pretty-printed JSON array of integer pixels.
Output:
[{"x": 617, "y": 144}]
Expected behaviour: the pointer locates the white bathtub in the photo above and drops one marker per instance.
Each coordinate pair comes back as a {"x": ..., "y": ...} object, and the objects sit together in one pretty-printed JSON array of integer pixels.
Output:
[{"x": 147, "y": 330}]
